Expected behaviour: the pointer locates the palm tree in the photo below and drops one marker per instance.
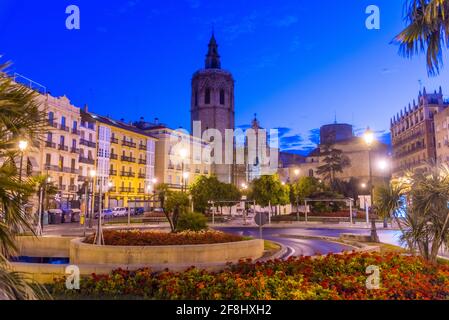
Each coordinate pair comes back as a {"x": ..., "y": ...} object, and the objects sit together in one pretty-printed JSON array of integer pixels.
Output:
[
  {"x": 427, "y": 222},
  {"x": 20, "y": 118},
  {"x": 389, "y": 200},
  {"x": 427, "y": 31}
]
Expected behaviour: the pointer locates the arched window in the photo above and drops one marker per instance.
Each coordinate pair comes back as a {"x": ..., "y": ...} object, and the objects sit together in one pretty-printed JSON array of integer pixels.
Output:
[
  {"x": 207, "y": 96},
  {"x": 222, "y": 97}
]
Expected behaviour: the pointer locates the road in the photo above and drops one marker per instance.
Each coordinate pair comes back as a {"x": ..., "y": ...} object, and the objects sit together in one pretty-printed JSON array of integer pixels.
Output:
[{"x": 298, "y": 247}]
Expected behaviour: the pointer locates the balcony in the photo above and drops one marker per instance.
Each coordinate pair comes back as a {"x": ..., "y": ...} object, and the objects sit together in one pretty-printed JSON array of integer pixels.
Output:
[
  {"x": 87, "y": 160},
  {"x": 142, "y": 147},
  {"x": 51, "y": 167},
  {"x": 142, "y": 175},
  {"x": 73, "y": 188},
  {"x": 142, "y": 161},
  {"x": 129, "y": 144},
  {"x": 141, "y": 190},
  {"x": 64, "y": 128},
  {"x": 62, "y": 187},
  {"x": 52, "y": 124},
  {"x": 62, "y": 147},
  {"x": 112, "y": 172},
  {"x": 75, "y": 150},
  {"x": 87, "y": 143},
  {"x": 126, "y": 190},
  {"x": 82, "y": 178},
  {"x": 114, "y": 140},
  {"x": 76, "y": 131},
  {"x": 128, "y": 159},
  {"x": 113, "y": 156},
  {"x": 112, "y": 189},
  {"x": 49, "y": 144},
  {"x": 127, "y": 174}
]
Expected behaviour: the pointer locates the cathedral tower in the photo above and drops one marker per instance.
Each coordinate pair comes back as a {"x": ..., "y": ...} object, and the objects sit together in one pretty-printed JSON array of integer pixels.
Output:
[{"x": 212, "y": 102}]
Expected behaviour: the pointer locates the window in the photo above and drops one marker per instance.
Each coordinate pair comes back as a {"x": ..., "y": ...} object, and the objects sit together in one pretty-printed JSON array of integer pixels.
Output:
[
  {"x": 51, "y": 117},
  {"x": 75, "y": 125},
  {"x": 63, "y": 121},
  {"x": 74, "y": 143},
  {"x": 61, "y": 162},
  {"x": 207, "y": 96},
  {"x": 73, "y": 164},
  {"x": 222, "y": 97},
  {"x": 60, "y": 182},
  {"x": 90, "y": 137},
  {"x": 50, "y": 137},
  {"x": 62, "y": 140},
  {"x": 48, "y": 159}
]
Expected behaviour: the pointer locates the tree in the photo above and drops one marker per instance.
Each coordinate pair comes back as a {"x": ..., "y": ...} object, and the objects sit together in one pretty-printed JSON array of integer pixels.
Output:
[
  {"x": 20, "y": 119},
  {"x": 203, "y": 191},
  {"x": 175, "y": 205},
  {"x": 388, "y": 201},
  {"x": 162, "y": 190},
  {"x": 268, "y": 190},
  {"x": 334, "y": 161},
  {"x": 427, "y": 31},
  {"x": 427, "y": 220},
  {"x": 304, "y": 188}
]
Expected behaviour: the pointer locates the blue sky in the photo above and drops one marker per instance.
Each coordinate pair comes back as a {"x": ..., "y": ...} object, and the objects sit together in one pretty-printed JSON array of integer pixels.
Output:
[{"x": 297, "y": 64}]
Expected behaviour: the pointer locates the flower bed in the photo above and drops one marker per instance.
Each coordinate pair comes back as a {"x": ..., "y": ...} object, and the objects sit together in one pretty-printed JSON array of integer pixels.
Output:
[
  {"x": 151, "y": 238},
  {"x": 333, "y": 277}
]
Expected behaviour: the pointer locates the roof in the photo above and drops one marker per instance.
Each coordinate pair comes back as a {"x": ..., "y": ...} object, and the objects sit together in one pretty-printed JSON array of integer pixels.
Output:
[{"x": 119, "y": 124}]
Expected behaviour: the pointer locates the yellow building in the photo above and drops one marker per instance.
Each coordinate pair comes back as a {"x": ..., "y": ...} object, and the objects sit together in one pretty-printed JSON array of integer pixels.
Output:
[{"x": 125, "y": 163}]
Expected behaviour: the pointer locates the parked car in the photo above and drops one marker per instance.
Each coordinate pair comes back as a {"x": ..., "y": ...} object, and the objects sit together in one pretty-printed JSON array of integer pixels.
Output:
[
  {"x": 119, "y": 212},
  {"x": 75, "y": 215},
  {"x": 138, "y": 211},
  {"x": 158, "y": 210},
  {"x": 106, "y": 214}
]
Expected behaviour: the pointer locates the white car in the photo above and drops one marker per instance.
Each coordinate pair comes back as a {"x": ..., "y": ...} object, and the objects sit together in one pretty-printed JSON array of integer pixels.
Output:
[{"x": 119, "y": 212}]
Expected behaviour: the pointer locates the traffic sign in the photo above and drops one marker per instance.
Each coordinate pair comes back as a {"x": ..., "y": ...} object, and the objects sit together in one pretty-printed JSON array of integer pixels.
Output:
[{"x": 261, "y": 218}]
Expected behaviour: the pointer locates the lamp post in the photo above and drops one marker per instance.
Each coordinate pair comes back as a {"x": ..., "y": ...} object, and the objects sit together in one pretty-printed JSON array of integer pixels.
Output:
[
  {"x": 23, "y": 145},
  {"x": 185, "y": 176},
  {"x": 92, "y": 175},
  {"x": 297, "y": 172},
  {"x": 384, "y": 165},
  {"x": 183, "y": 155},
  {"x": 369, "y": 140},
  {"x": 110, "y": 186}
]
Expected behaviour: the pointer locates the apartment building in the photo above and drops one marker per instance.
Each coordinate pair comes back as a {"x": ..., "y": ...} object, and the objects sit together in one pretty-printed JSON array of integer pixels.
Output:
[
  {"x": 180, "y": 157},
  {"x": 125, "y": 162},
  {"x": 413, "y": 133},
  {"x": 442, "y": 136}
]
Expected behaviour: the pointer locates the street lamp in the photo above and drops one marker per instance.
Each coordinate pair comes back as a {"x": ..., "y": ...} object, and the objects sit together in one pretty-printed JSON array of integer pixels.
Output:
[
  {"x": 369, "y": 139},
  {"x": 23, "y": 145},
  {"x": 185, "y": 176},
  {"x": 297, "y": 172}
]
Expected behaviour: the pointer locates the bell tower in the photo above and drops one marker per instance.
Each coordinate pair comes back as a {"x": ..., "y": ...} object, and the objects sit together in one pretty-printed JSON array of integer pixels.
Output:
[{"x": 212, "y": 102}]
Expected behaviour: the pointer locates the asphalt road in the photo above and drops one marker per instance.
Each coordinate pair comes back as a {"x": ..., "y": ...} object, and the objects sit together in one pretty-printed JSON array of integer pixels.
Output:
[{"x": 298, "y": 247}]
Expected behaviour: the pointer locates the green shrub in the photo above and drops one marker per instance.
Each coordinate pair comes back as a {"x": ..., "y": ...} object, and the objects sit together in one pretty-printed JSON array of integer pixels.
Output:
[{"x": 192, "y": 221}]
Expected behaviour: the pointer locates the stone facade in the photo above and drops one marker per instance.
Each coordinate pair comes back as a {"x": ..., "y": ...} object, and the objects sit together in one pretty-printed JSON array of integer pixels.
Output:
[
  {"x": 212, "y": 105},
  {"x": 442, "y": 136},
  {"x": 413, "y": 133}
]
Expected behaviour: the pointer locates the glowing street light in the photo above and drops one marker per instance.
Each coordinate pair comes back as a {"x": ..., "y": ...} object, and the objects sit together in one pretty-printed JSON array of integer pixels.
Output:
[
  {"x": 363, "y": 185},
  {"x": 369, "y": 137},
  {"x": 154, "y": 180},
  {"x": 183, "y": 153},
  {"x": 92, "y": 173},
  {"x": 23, "y": 145},
  {"x": 383, "y": 164}
]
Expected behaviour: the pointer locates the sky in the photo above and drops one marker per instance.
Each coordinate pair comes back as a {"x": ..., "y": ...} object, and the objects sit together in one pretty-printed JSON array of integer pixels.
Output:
[{"x": 297, "y": 64}]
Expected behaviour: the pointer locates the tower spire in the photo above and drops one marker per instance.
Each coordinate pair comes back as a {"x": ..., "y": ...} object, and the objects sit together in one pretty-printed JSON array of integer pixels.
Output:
[{"x": 212, "y": 57}]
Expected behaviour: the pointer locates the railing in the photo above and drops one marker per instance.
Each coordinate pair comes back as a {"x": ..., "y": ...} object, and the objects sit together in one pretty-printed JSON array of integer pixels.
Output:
[
  {"x": 126, "y": 190},
  {"x": 112, "y": 189},
  {"x": 114, "y": 140},
  {"x": 63, "y": 147},
  {"x": 113, "y": 156},
  {"x": 112, "y": 172},
  {"x": 75, "y": 150},
  {"x": 49, "y": 144},
  {"x": 128, "y": 159},
  {"x": 409, "y": 152},
  {"x": 73, "y": 188},
  {"x": 141, "y": 190},
  {"x": 412, "y": 137},
  {"x": 129, "y": 144},
  {"x": 86, "y": 160},
  {"x": 82, "y": 178},
  {"x": 52, "y": 167},
  {"x": 52, "y": 124},
  {"x": 87, "y": 143},
  {"x": 142, "y": 161},
  {"x": 127, "y": 174},
  {"x": 142, "y": 175},
  {"x": 62, "y": 187},
  {"x": 76, "y": 131},
  {"x": 142, "y": 147},
  {"x": 64, "y": 128}
]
